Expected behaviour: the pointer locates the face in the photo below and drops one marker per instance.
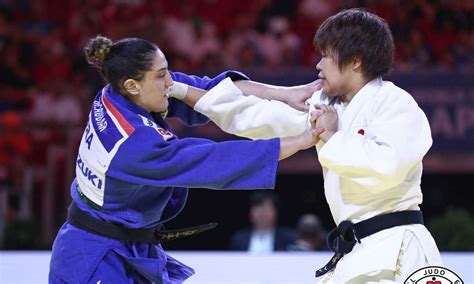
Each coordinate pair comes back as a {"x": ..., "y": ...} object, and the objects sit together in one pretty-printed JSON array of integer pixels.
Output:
[
  {"x": 264, "y": 215},
  {"x": 335, "y": 81},
  {"x": 154, "y": 87}
]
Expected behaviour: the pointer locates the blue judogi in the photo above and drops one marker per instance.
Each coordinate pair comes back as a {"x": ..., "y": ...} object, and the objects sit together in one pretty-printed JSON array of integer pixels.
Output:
[{"x": 137, "y": 173}]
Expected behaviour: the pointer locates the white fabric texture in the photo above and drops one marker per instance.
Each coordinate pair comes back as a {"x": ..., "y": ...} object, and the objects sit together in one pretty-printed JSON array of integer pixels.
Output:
[{"x": 178, "y": 90}]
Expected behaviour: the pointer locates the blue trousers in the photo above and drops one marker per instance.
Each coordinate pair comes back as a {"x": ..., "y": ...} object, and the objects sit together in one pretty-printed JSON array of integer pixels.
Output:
[{"x": 82, "y": 257}]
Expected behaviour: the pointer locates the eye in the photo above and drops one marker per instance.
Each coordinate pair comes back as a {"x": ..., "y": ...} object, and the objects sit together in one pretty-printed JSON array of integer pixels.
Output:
[{"x": 161, "y": 75}]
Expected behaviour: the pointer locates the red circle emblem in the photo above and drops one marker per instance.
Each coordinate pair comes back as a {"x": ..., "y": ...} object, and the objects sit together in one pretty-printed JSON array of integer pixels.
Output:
[{"x": 361, "y": 132}]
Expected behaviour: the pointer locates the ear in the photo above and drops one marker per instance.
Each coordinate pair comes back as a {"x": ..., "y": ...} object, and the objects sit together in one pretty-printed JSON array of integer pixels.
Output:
[
  {"x": 357, "y": 63},
  {"x": 132, "y": 87}
]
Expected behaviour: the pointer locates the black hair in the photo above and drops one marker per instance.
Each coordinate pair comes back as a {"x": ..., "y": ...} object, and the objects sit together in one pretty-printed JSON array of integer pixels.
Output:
[
  {"x": 260, "y": 197},
  {"x": 356, "y": 33},
  {"x": 128, "y": 58},
  {"x": 309, "y": 227}
]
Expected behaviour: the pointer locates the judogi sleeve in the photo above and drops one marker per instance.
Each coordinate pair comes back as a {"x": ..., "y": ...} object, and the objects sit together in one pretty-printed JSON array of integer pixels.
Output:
[
  {"x": 185, "y": 113},
  {"x": 250, "y": 116},
  {"x": 146, "y": 158},
  {"x": 396, "y": 139}
]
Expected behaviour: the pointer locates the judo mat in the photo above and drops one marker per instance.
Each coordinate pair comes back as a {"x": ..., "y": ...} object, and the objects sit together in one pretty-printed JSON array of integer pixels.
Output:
[{"x": 220, "y": 267}]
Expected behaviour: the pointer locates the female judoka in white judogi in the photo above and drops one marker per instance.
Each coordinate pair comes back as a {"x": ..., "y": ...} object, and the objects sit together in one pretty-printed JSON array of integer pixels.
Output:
[{"x": 371, "y": 151}]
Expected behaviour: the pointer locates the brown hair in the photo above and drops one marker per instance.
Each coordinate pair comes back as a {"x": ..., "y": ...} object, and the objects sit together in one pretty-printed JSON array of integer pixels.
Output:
[{"x": 118, "y": 61}]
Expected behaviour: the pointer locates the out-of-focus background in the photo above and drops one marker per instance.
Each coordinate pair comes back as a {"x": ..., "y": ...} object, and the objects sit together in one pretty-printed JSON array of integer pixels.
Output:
[{"x": 46, "y": 88}]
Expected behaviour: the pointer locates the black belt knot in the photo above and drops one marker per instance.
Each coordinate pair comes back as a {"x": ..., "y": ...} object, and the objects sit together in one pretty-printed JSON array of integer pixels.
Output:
[{"x": 342, "y": 239}]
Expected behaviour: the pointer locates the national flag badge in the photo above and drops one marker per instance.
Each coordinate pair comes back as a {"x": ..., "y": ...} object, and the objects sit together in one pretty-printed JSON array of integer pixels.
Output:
[
  {"x": 163, "y": 132},
  {"x": 360, "y": 130}
]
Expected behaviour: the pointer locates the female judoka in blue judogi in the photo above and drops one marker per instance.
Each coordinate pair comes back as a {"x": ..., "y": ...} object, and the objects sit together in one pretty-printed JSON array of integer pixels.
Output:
[{"x": 133, "y": 173}]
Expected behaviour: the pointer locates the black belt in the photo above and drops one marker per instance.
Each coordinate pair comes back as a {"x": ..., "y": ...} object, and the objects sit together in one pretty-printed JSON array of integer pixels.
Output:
[
  {"x": 85, "y": 221},
  {"x": 342, "y": 239},
  {"x": 87, "y": 200}
]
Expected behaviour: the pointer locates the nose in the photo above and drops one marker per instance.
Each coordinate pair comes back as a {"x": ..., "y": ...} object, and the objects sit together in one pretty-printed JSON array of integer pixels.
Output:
[
  {"x": 318, "y": 65},
  {"x": 169, "y": 81}
]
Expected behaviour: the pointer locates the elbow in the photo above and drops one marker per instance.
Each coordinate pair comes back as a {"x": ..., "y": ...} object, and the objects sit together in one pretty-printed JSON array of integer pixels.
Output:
[
  {"x": 390, "y": 167},
  {"x": 388, "y": 175}
]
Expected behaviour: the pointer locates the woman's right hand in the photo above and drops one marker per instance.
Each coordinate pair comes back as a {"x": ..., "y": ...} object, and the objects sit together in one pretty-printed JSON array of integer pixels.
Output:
[
  {"x": 311, "y": 137},
  {"x": 307, "y": 139},
  {"x": 327, "y": 119}
]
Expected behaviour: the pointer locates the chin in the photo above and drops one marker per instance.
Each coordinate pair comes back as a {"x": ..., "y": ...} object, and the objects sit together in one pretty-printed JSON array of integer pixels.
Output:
[
  {"x": 163, "y": 107},
  {"x": 328, "y": 93}
]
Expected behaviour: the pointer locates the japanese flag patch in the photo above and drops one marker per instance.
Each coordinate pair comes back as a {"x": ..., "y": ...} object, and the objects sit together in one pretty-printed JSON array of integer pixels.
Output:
[{"x": 360, "y": 130}]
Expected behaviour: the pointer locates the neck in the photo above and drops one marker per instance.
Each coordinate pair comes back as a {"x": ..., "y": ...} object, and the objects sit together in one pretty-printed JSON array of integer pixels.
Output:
[
  {"x": 355, "y": 86},
  {"x": 264, "y": 229}
]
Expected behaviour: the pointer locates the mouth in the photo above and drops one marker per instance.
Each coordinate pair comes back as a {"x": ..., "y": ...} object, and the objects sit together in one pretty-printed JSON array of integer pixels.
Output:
[{"x": 167, "y": 93}]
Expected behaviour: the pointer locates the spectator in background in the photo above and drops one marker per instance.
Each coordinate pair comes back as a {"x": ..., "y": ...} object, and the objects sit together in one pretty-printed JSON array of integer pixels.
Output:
[
  {"x": 241, "y": 48},
  {"x": 265, "y": 235},
  {"x": 280, "y": 46},
  {"x": 15, "y": 147},
  {"x": 14, "y": 73},
  {"x": 310, "y": 234}
]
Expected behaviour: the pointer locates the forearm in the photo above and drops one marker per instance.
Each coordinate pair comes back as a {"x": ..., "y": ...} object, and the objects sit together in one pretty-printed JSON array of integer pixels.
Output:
[
  {"x": 261, "y": 90},
  {"x": 193, "y": 95},
  {"x": 327, "y": 135},
  {"x": 290, "y": 145},
  {"x": 250, "y": 116},
  {"x": 264, "y": 91}
]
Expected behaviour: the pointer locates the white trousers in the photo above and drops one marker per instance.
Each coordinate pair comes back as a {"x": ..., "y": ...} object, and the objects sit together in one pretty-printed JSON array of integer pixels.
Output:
[{"x": 412, "y": 256}]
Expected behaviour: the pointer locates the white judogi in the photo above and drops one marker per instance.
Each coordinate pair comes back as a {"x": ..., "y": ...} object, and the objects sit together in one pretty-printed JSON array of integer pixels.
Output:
[{"x": 371, "y": 166}]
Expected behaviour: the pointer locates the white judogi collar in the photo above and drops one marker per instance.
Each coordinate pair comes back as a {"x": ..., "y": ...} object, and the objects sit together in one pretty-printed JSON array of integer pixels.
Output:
[{"x": 346, "y": 113}]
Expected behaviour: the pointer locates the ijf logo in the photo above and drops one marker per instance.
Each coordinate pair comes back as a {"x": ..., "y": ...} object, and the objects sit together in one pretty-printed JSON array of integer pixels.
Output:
[{"x": 433, "y": 275}]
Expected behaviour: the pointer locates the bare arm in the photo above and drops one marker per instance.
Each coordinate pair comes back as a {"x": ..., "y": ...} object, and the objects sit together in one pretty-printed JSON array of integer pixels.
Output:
[
  {"x": 307, "y": 139},
  {"x": 294, "y": 96},
  {"x": 193, "y": 95},
  {"x": 261, "y": 90},
  {"x": 290, "y": 145}
]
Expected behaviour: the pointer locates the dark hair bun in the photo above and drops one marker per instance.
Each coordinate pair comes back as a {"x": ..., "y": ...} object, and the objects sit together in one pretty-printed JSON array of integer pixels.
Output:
[{"x": 97, "y": 49}]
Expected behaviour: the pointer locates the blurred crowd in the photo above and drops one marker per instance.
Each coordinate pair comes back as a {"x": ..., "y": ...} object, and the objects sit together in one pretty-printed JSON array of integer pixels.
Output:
[
  {"x": 46, "y": 86},
  {"x": 265, "y": 234}
]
